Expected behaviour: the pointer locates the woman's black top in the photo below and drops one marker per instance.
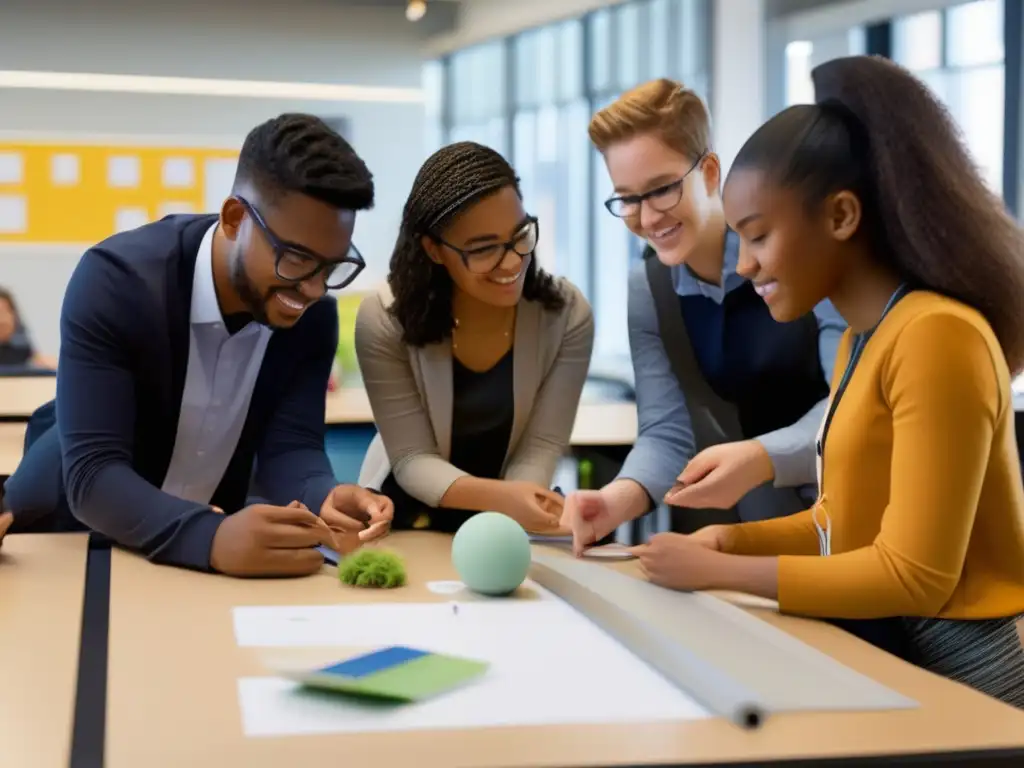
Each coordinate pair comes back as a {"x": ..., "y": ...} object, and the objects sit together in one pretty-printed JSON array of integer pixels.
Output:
[{"x": 483, "y": 409}]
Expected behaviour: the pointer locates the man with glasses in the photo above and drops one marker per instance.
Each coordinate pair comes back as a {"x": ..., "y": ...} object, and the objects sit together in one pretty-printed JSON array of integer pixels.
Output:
[{"x": 194, "y": 361}]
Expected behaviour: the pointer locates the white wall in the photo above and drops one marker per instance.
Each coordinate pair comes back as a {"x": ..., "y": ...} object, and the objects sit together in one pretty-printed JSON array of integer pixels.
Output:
[
  {"x": 299, "y": 41},
  {"x": 737, "y": 74}
]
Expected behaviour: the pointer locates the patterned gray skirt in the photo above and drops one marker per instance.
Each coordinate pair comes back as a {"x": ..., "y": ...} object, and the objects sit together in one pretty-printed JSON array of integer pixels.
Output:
[{"x": 986, "y": 654}]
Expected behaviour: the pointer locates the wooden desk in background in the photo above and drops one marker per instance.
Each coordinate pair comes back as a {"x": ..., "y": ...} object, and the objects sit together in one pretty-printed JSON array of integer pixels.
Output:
[
  {"x": 12, "y": 440},
  {"x": 597, "y": 424},
  {"x": 42, "y": 582},
  {"x": 21, "y": 395},
  {"x": 184, "y": 710}
]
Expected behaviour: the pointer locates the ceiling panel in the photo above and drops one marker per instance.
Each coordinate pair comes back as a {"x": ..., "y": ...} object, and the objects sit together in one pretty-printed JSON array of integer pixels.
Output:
[{"x": 384, "y": 3}]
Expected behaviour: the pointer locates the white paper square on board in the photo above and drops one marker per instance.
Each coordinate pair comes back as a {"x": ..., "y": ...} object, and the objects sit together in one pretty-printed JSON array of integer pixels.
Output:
[
  {"x": 123, "y": 171},
  {"x": 130, "y": 218},
  {"x": 64, "y": 170},
  {"x": 218, "y": 179},
  {"x": 178, "y": 172},
  {"x": 11, "y": 167},
  {"x": 13, "y": 214},
  {"x": 170, "y": 208}
]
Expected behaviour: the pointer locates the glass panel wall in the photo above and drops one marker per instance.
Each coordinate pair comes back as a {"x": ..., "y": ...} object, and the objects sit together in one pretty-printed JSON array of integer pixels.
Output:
[
  {"x": 531, "y": 96},
  {"x": 959, "y": 52}
]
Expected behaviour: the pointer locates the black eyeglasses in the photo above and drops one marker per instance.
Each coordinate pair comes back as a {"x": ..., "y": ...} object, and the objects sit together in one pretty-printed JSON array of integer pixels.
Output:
[
  {"x": 484, "y": 259},
  {"x": 295, "y": 263},
  {"x": 663, "y": 198}
]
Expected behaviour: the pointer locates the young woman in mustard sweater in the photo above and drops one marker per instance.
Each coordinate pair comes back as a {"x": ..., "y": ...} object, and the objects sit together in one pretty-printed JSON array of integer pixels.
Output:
[{"x": 916, "y": 542}]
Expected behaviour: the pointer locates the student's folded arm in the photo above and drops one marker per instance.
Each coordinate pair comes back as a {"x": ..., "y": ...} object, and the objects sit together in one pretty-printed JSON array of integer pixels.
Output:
[
  {"x": 665, "y": 441},
  {"x": 292, "y": 463},
  {"x": 789, "y": 535},
  {"x": 942, "y": 386},
  {"x": 103, "y": 323},
  {"x": 398, "y": 408},
  {"x": 549, "y": 429},
  {"x": 792, "y": 448}
]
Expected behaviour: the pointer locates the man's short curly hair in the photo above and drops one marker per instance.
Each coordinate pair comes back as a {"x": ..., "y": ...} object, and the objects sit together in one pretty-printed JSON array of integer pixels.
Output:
[{"x": 302, "y": 154}]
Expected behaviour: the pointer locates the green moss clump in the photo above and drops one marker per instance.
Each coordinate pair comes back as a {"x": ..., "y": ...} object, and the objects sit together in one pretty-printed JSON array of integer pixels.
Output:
[{"x": 373, "y": 568}]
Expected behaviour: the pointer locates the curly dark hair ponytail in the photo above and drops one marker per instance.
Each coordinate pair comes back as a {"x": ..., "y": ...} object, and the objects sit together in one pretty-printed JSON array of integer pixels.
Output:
[
  {"x": 879, "y": 131},
  {"x": 450, "y": 181}
]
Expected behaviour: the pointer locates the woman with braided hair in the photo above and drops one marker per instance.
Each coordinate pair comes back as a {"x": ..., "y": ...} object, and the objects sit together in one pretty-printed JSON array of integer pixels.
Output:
[
  {"x": 916, "y": 541},
  {"x": 473, "y": 357}
]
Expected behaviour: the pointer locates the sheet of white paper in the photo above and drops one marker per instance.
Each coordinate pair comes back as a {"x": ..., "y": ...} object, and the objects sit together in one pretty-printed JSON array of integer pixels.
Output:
[
  {"x": 422, "y": 625},
  {"x": 13, "y": 214},
  {"x": 549, "y": 665},
  {"x": 64, "y": 170},
  {"x": 123, "y": 171},
  {"x": 178, "y": 172},
  {"x": 11, "y": 168}
]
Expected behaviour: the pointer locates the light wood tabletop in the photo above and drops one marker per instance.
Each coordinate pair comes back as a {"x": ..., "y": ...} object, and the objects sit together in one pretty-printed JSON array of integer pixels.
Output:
[
  {"x": 12, "y": 440},
  {"x": 42, "y": 580},
  {"x": 174, "y": 665}
]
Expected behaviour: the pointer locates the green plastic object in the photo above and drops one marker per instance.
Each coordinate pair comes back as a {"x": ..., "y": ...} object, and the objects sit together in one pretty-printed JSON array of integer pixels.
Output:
[
  {"x": 373, "y": 568},
  {"x": 491, "y": 554}
]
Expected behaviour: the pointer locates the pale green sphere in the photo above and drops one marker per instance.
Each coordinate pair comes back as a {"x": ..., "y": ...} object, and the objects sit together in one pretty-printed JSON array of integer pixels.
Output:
[{"x": 491, "y": 553}]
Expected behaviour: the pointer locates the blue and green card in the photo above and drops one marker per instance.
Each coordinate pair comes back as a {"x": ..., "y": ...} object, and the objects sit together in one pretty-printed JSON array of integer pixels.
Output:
[{"x": 396, "y": 673}]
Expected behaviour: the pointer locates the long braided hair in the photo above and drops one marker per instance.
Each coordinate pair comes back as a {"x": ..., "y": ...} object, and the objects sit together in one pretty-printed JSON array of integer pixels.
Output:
[{"x": 451, "y": 180}]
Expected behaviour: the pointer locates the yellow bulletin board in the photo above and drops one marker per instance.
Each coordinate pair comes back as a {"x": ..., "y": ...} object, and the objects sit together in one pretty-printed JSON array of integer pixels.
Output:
[
  {"x": 348, "y": 308},
  {"x": 64, "y": 193}
]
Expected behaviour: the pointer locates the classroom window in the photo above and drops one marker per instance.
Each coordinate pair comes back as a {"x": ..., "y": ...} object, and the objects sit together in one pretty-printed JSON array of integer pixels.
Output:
[
  {"x": 611, "y": 272},
  {"x": 974, "y": 34},
  {"x": 570, "y": 48},
  {"x": 433, "y": 107},
  {"x": 629, "y": 45},
  {"x": 659, "y": 45},
  {"x": 531, "y": 97},
  {"x": 917, "y": 41},
  {"x": 691, "y": 38},
  {"x": 959, "y": 53},
  {"x": 599, "y": 64}
]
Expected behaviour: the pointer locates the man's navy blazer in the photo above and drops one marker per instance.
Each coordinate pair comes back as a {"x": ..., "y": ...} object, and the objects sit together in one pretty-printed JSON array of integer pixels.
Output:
[{"x": 125, "y": 333}]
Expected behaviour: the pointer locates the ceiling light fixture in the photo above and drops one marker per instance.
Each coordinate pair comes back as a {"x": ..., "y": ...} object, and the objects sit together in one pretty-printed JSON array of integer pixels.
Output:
[
  {"x": 415, "y": 10},
  {"x": 200, "y": 86}
]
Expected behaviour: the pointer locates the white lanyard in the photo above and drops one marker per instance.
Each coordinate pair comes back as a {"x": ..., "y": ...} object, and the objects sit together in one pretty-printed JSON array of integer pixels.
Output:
[{"x": 824, "y": 531}]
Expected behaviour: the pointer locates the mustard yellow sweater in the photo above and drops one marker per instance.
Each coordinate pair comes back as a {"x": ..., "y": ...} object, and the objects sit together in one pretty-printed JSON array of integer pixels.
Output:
[{"x": 921, "y": 480}]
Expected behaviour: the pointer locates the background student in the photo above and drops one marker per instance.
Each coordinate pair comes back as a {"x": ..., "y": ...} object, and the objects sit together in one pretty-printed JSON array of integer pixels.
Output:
[
  {"x": 16, "y": 349},
  {"x": 726, "y": 396},
  {"x": 474, "y": 358},
  {"x": 197, "y": 349},
  {"x": 917, "y": 540}
]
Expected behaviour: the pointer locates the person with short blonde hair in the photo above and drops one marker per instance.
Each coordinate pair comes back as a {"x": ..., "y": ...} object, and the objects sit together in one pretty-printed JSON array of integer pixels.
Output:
[{"x": 729, "y": 400}]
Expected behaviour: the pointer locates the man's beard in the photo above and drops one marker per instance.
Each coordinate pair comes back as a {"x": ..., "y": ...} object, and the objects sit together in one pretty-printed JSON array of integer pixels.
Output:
[{"x": 255, "y": 304}]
